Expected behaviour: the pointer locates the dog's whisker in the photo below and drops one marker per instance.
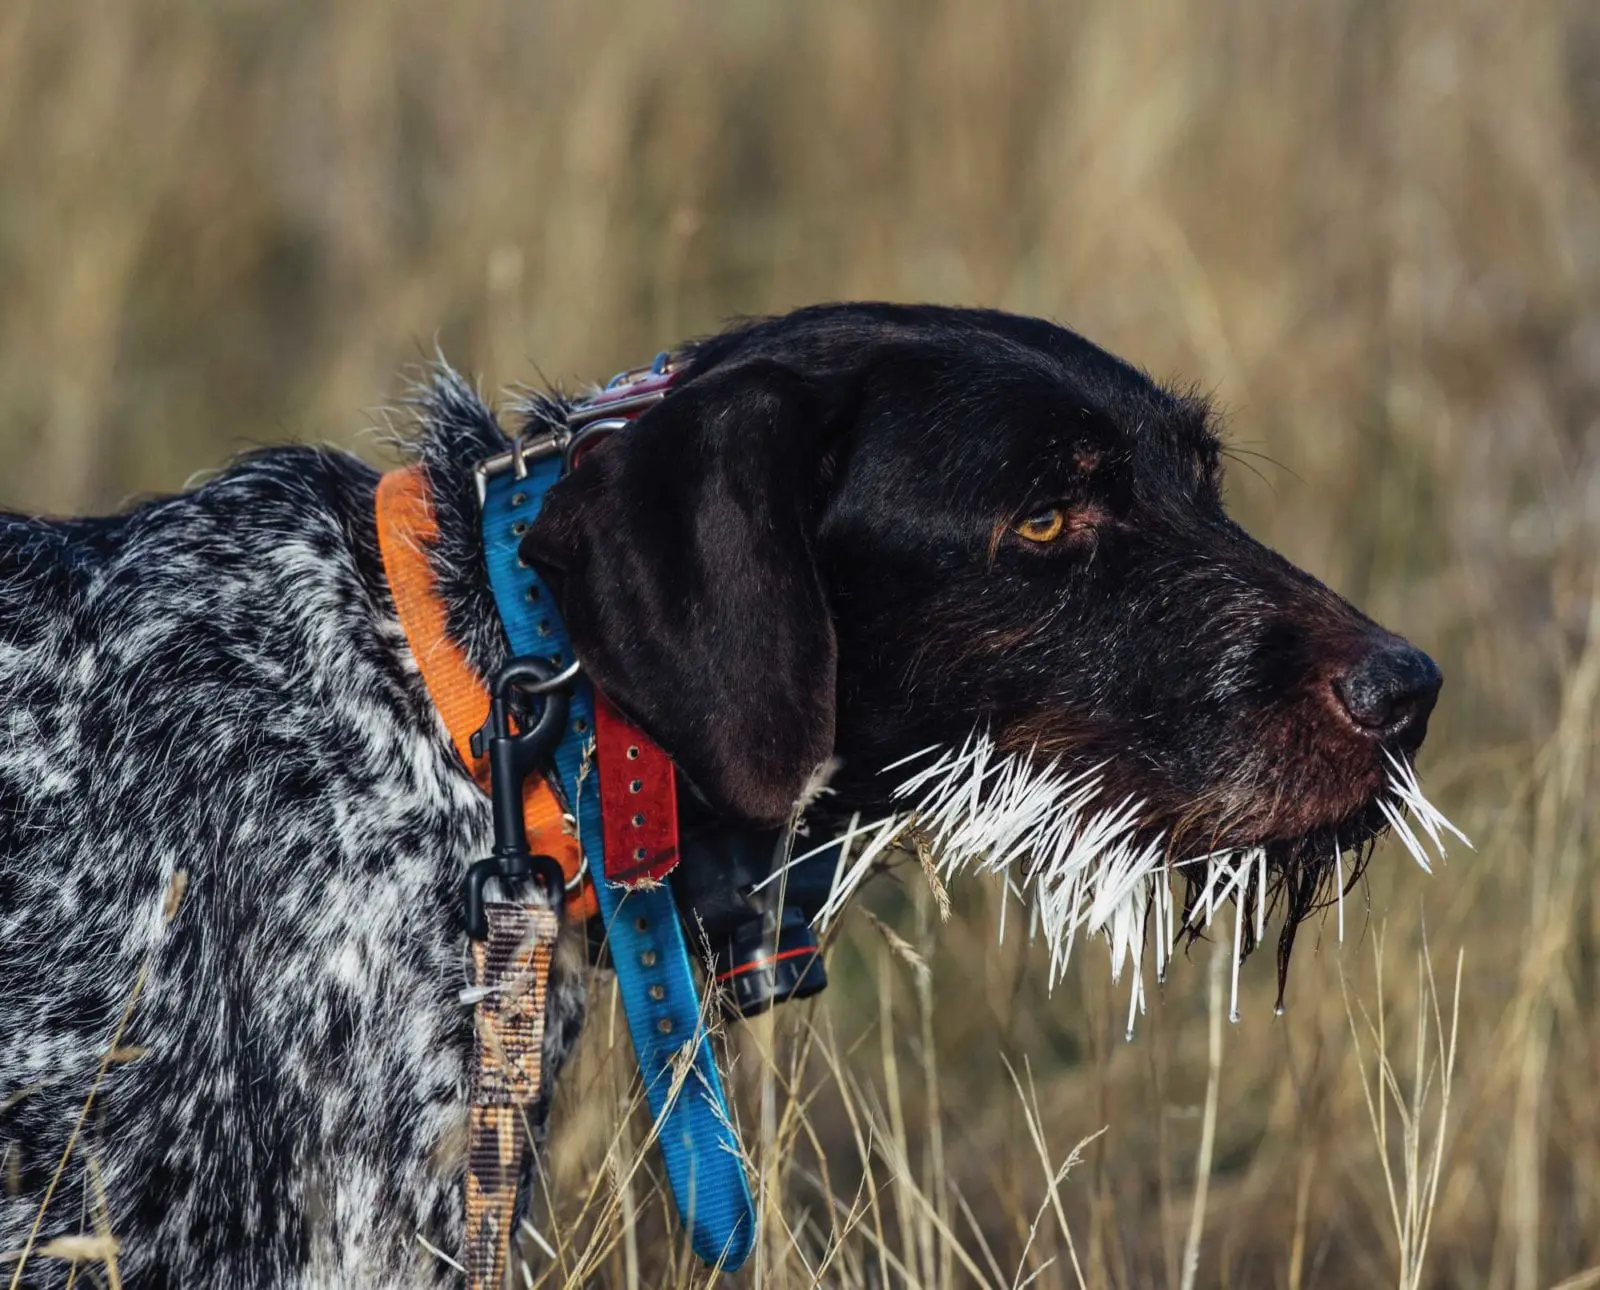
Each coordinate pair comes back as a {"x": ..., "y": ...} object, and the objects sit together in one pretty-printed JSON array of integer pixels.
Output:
[{"x": 538, "y": 1239}]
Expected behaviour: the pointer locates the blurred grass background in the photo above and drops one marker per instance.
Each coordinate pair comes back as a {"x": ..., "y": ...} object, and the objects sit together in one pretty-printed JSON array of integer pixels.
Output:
[{"x": 1371, "y": 227}]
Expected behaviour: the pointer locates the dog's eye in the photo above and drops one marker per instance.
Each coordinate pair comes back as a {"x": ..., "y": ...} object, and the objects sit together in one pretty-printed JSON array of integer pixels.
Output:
[{"x": 1042, "y": 526}]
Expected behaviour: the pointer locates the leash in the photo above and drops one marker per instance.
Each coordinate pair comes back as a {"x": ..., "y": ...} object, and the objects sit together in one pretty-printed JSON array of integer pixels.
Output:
[
  {"x": 607, "y": 810},
  {"x": 511, "y": 971}
]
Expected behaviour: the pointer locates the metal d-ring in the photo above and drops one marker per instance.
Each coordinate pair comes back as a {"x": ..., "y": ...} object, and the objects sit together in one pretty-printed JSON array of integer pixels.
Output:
[
  {"x": 548, "y": 685},
  {"x": 585, "y": 436}
]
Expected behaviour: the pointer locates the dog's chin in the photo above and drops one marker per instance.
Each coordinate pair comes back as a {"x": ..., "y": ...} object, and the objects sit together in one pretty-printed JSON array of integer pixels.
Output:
[
  {"x": 1314, "y": 850},
  {"x": 1291, "y": 874},
  {"x": 1314, "y": 872},
  {"x": 1314, "y": 869},
  {"x": 1092, "y": 861}
]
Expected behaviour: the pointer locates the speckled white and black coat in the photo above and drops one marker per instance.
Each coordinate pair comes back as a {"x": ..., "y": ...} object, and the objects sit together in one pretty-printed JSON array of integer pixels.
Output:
[{"x": 216, "y": 683}]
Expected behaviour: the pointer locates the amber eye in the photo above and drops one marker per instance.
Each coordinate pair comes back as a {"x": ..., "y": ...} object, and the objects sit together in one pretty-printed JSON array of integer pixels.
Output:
[{"x": 1042, "y": 526}]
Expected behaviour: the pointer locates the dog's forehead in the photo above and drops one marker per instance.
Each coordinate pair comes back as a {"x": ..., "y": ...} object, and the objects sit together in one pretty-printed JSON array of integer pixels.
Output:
[
  {"x": 1010, "y": 414},
  {"x": 998, "y": 402}
]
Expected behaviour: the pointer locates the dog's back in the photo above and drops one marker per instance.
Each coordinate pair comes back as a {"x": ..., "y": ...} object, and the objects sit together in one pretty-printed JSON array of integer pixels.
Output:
[{"x": 207, "y": 716}]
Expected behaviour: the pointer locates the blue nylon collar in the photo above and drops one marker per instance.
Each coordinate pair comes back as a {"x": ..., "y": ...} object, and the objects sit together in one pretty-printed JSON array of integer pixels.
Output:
[{"x": 698, "y": 1143}]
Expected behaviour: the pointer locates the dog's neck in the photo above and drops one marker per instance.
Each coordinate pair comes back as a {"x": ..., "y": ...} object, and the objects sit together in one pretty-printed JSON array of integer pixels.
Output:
[{"x": 455, "y": 430}]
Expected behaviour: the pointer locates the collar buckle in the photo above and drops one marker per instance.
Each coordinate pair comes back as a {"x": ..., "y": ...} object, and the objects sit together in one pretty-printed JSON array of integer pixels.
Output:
[
  {"x": 522, "y": 451},
  {"x": 624, "y": 397}
]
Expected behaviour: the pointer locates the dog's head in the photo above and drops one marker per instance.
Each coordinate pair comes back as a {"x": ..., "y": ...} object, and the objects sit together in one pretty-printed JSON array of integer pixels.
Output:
[{"x": 862, "y": 532}]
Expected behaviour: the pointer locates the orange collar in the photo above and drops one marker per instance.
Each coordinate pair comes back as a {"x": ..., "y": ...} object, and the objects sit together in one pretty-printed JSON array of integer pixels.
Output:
[{"x": 406, "y": 528}]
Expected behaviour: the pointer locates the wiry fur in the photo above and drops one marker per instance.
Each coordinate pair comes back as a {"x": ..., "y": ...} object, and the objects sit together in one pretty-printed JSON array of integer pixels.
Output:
[
  {"x": 808, "y": 553},
  {"x": 217, "y": 684}
]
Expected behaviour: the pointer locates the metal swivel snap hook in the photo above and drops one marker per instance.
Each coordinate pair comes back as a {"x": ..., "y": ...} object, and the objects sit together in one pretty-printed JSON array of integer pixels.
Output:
[{"x": 513, "y": 756}]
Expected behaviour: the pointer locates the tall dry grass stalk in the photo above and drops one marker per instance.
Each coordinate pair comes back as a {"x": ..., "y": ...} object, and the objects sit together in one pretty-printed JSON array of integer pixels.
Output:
[
  {"x": 1371, "y": 227},
  {"x": 1422, "y": 1111},
  {"x": 1208, "y": 1121}
]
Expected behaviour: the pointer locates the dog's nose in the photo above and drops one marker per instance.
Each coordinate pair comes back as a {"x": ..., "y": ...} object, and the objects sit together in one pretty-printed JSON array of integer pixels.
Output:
[{"x": 1391, "y": 691}]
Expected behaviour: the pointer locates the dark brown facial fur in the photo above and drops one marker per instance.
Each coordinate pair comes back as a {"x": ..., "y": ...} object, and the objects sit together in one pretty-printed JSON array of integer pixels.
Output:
[{"x": 863, "y": 530}]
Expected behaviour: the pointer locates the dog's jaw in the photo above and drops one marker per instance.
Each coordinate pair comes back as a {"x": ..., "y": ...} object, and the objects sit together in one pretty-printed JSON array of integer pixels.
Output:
[{"x": 1083, "y": 865}]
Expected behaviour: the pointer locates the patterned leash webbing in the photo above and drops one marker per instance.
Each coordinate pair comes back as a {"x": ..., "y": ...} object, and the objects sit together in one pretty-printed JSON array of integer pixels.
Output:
[{"x": 512, "y": 967}]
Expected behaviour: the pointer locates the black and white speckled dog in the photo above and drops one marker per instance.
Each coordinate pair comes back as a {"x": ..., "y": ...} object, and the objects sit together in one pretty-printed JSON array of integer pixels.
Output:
[{"x": 853, "y": 533}]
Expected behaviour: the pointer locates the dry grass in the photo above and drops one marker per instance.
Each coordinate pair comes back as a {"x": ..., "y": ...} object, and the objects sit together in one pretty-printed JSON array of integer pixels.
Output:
[{"x": 1370, "y": 226}]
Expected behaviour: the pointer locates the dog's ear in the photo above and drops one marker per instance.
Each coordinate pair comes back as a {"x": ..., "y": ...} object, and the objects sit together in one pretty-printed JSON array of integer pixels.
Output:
[{"x": 680, "y": 552}]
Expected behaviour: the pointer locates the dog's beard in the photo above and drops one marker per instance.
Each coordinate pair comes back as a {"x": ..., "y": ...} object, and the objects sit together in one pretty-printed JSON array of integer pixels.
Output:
[{"x": 1082, "y": 866}]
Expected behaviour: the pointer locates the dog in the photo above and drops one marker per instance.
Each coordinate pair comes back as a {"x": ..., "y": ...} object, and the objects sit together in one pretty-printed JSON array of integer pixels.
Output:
[{"x": 233, "y": 826}]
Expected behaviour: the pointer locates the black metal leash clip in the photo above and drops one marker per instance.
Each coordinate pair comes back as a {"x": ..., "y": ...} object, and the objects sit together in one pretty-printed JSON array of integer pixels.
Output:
[{"x": 513, "y": 756}]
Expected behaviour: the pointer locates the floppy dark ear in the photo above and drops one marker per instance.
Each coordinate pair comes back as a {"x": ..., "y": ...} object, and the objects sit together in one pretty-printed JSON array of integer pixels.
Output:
[{"x": 680, "y": 551}]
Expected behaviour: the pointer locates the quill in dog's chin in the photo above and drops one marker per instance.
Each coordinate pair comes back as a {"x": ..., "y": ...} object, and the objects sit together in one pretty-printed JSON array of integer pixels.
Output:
[{"x": 1088, "y": 865}]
